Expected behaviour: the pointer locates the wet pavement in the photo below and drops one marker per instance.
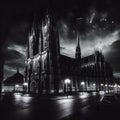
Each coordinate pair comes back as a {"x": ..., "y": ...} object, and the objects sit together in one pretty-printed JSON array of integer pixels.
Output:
[{"x": 83, "y": 106}]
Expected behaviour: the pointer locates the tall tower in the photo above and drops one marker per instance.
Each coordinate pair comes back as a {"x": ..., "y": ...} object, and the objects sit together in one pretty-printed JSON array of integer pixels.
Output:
[
  {"x": 78, "y": 49},
  {"x": 53, "y": 52},
  {"x": 77, "y": 63},
  {"x": 43, "y": 50}
]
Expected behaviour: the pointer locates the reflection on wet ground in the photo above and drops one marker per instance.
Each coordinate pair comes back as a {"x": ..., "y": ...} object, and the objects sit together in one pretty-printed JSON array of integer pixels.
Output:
[{"x": 83, "y": 106}]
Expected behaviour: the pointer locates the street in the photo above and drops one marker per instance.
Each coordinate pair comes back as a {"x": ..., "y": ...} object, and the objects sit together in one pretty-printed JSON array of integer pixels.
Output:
[{"x": 82, "y": 106}]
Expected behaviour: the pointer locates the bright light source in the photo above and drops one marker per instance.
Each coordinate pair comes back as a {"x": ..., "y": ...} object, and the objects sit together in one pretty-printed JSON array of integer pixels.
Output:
[
  {"x": 83, "y": 96},
  {"x": 101, "y": 84},
  {"x": 105, "y": 85},
  {"x": 67, "y": 81},
  {"x": 82, "y": 83},
  {"x": 17, "y": 96},
  {"x": 17, "y": 86},
  {"x": 102, "y": 92},
  {"x": 26, "y": 99},
  {"x": 25, "y": 84},
  {"x": 94, "y": 84},
  {"x": 3, "y": 90}
]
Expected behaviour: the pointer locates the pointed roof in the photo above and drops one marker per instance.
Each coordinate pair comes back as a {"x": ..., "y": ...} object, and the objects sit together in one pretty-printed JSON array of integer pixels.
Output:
[
  {"x": 17, "y": 78},
  {"x": 33, "y": 25},
  {"x": 78, "y": 42}
]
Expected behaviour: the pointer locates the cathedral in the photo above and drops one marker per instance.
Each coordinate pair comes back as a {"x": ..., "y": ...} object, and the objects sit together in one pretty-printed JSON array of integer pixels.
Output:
[{"x": 46, "y": 69}]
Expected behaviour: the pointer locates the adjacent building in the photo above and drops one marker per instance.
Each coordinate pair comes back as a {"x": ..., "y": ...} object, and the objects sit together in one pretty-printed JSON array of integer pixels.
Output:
[{"x": 14, "y": 83}]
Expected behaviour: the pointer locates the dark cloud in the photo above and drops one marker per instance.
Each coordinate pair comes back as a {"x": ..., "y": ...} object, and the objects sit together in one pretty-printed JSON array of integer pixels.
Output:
[
  {"x": 10, "y": 70},
  {"x": 13, "y": 54},
  {"x": 113, "y": 56},
  {"x": 16, "y": 62},
  {"x": 13, "y": 59},
  {"x": 19, "y": 31}
]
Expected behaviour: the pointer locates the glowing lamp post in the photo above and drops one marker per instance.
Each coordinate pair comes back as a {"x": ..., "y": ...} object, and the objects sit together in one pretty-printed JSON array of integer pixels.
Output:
[
  {"x": 25, "y": 85},
  {"x": 16, "y": 87},
  {"x": 67, "y": 81},
  {"x": 82, "y": 84}
]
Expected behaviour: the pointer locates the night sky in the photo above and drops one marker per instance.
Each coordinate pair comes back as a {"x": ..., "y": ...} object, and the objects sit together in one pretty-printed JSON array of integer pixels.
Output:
[{"x": 97, "y": 21}]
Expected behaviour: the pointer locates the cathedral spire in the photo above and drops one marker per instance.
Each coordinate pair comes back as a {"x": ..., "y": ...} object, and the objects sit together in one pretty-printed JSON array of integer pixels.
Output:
[
  {"x": 78, "y": 41},
  {"x": 33, "y": 26},
  {"x": 17, "y": 69},
  {"x": 78, "y": 50}
]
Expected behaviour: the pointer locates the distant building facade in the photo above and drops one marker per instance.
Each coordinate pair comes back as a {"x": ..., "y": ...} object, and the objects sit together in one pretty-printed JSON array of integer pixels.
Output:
[
  {"x": 46, "y": 69},
  {"x": 14, "y": 83}
]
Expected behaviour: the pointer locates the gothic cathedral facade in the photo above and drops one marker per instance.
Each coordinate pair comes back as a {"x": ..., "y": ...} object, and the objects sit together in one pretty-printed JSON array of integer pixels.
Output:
[{"x": 46, "y": 68}]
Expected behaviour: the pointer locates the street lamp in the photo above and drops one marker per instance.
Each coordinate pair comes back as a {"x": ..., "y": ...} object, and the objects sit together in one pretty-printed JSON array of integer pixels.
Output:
[
  {"x": 82, "y": 84},
  {"x": 16, "y": 87},
  {"x": 94, "y": 86},
  {"x": 105, "y": 87},
  {"x": 67, "y": 81},
  {"x": 25, "y": 85}
]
